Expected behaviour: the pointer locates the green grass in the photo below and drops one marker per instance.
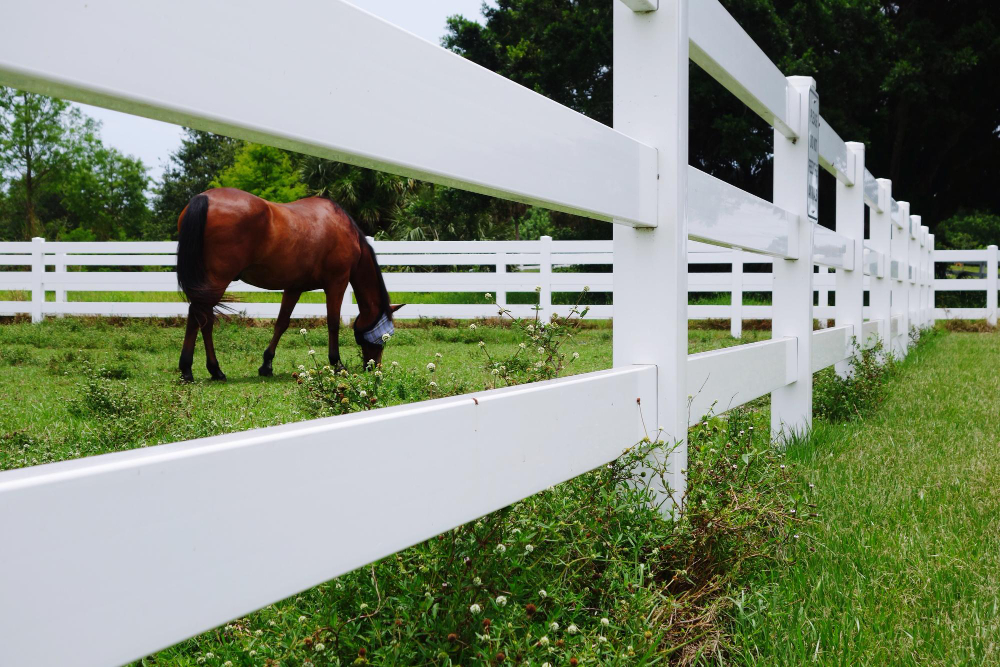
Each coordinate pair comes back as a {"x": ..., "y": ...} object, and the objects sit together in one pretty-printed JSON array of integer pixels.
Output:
[{"x": 903, "y": 564}]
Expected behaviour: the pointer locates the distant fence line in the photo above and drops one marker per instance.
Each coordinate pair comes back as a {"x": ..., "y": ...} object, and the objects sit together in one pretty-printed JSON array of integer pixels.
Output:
[{"x": 513, "y": 266}]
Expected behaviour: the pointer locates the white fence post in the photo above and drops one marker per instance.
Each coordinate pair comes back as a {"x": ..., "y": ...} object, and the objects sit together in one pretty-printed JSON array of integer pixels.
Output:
[
  {"x": 501, "y": 268},
  {"x": 37, "y": 278},
  {"x": 796, "y": 180},
  {"x": 736, "y": 301},
  {"x": 60, "y": 277},
  {"x": 650, "y": 264},
  {"x": 991, "y": 285},
  {"x": 925, "y": 267},
  {"x": 897, "y": 298},
  {"x": 931, "y": 298},
  {"x": 913, "y": 279},
  {"x": 851, "y": 223},
  {"x": 545, "y": 278},
  {"x": 880, "y": 286}
]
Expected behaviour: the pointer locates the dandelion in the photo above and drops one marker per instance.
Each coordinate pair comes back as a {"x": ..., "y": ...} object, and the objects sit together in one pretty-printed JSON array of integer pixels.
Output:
[
  {"x": 528, "y": 548},
  {"x": 605, "y": 622},
  {"x": 543, "y": 593},
  {"x": 553, "y": 626},
  {"x": 312, "y": 353},
  {"x": 502, "y": 600},
  {"x": 303, "y": 332},
  {"x": 472, "y": 326},
  {"x": 431, "y": 366},
  {"x": 501, "y": 549},
  {"x": 544, "y": 641},
  {"x": 572, "y": 629},
  {"x": 475, "y": 609}
]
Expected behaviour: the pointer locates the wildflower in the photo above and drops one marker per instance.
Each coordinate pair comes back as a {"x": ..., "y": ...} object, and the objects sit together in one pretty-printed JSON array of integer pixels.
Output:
[
  {"x": 488, "y": 296},
  {"x": 544, "y": 641},
  {"x": 385, "y": 338},
  {"x": 542, "y": 593},
  {"x": 431, "y": 366},
  {"x": 502, "y": 600},
  {"x": 395, "y": 364},
  {"x": 531, "y": 327},
  {"x": 303, "y": 332},
  {"x": 477, "y": 581},
  {"x": 586, "y": 288},
  {"x": 252, "y": 653},
  {"x": 538, "y": 289},
  {"x": 200, "y": 660},
  {"x": 605, "y": 622},
  {"x": 438, "y": 355},
  {"x": 258, "y": 633},
  {"x": 576, "y": 355},
  {"x": 320, "y": 647},
  {"x": 227, "y": 663},
  {"x": 363, "y": 393},
  {"x": 432, "y": 384},
  {"x": 271, "y": 623},
  {"x": 482, "y": 344},
  {"x": 301, "y": 367},
  {"x": 601, "y": 639},
  {"x": 782, "y": 466},
  {"x": 501, "y": 548},
  {"x": 312, "y": 353},
  {"x": 209, "y": 655},
  {"x": 539, "y": 364},
  {"x": 472, "y": 326},
  {"x": 302, "y": 619},
  {"x": 475, "y": 609},
  {"x": 796, "y": 536},
  {"x": 572, "y": 629},
  {"x": 528, "y": 548},
  {"x": 522, "y": 345},
  {"x": 553, "y": 626},
  {"x": 541, "y": 350}
]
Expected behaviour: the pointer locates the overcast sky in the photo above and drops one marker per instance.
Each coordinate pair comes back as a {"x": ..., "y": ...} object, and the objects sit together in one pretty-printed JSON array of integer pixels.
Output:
[{"x": 153, "y": 141}]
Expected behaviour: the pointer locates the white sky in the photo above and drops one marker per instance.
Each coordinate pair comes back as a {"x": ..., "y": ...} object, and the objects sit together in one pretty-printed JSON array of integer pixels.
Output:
[{"x": 153, "y": 141}]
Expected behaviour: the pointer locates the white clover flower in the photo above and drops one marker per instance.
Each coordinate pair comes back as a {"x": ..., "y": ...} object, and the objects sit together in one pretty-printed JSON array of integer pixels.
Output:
[
  {"x": 431, "y": 366},
  {"x": 586, "y": 288},
  {"x": 539, "y": 364},
  {"x": 301, "y": 367},
  {"x": 438, "y": 355},
  {"x": 495, "y": 371},
  {"x": 528, "y": 548},
  {"x": 605, "y": 622},
  {"x": 258, "y": 633},
  {"x": 272, "y": 623},
  {"x": 475, "y": 609},
  {"x": 252, "y": 653},
  {"x": 209, "y": 655},
  {"x": 576, "y": 355},
  {"x": 432, "y": 384},
  {"x": 312, "y": 353},
  {"x": 544, "y": 641},
  {"x": 200, "y": 660},
  {"x": 601, "y": 639},
  {"x": 501, "y": 549},
  {"x": 378, "y": 373},
  {"x": 543, "y": 594},
  {"x": 553, "y": 626},
  {"x": 572, "y": 629},
  {"x": 541, "y": 350},
  {"x": 385, "y": 338},
  {"x": 482, "y": 344},
  {"x": 477, "y": 581},
  {"x": 303, "y": 332},
  {"x": 502, "y": 600},
  {"x": 472, "y": 326},
  {"x": 538, "y": 289},
  {"x": 227, "y": 663},
  {"x": 522, "y": 345},
  {"x": 488, "y": 296},
  {"x": 546, "y": 664},
  {"x": 302, "y": 619},
  {"x": 364, "y": 605},
  {"x": 395, "y": 364},
  {"x": 320, "y": 647}
]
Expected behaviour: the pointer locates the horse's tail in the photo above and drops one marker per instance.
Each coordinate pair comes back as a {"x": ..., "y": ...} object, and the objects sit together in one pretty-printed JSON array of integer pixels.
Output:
[{"x": 191, "y": 277}]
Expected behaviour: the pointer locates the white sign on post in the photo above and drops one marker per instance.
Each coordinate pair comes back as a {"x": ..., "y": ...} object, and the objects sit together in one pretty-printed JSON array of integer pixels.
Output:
[{"x": 812, "y": 185}]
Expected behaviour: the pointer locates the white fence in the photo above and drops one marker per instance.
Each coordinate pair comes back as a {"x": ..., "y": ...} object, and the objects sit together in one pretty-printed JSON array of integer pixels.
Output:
[
  {"x": 497, "y": 267},
  {"x": 129, "y": 552}
]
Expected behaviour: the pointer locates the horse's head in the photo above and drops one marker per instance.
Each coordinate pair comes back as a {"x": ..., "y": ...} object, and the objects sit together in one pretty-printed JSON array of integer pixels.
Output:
[{"x": 373, "y": 340}]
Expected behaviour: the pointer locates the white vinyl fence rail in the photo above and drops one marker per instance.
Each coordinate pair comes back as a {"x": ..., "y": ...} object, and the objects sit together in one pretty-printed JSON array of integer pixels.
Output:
[
  {"x": 109, "y": 558},
  {"x": 497, "y": 267}
]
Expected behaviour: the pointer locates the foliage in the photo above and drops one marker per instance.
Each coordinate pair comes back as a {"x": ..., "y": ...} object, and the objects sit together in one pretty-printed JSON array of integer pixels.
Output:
[
  {"x": 105, "y": 193},
  {"x": 837, "y": 399},
  {"x": 376, "y": 199},
  {"x": 201, "y": 157},
  {"x": 265, "y": 171},
  {"x": 968, "y": 231}
]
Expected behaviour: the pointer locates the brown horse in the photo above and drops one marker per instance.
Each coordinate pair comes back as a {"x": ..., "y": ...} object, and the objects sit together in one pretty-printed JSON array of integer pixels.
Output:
[{"x": 227, "y": 234}]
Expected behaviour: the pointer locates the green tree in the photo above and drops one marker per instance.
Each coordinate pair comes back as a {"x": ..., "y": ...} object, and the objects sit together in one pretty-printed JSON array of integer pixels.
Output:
[
  {"x": 40, "y": 139},
  {"x": 201, "y": 157},
  {"x": 105, "y": 193},
  {"x": 265, "y": 171},
  {"x": 376, "y": 199},
  {"x": 968, "y": 231}
]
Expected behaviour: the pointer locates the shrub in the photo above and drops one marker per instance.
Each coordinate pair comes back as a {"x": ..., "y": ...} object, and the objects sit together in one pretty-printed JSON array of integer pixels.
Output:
[{"x": 838, "y": 399}]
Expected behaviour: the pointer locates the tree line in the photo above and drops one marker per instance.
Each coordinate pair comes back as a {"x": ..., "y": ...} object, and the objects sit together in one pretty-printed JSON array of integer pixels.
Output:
[{"x": 909, "y": 79}]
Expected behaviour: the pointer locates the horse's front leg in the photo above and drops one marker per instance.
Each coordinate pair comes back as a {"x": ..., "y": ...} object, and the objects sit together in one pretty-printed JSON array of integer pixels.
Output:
[
  {"x": 334, "y": 302},
  {"x": 288, "y": 301}
]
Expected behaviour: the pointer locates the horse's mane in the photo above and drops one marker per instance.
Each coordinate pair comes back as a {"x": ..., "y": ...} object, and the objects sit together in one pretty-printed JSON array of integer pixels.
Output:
[{"x": 385, "y": 303}]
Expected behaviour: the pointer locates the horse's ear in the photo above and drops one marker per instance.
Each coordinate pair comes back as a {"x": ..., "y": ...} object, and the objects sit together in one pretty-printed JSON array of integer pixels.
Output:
[{"x": 393, "y": 308}]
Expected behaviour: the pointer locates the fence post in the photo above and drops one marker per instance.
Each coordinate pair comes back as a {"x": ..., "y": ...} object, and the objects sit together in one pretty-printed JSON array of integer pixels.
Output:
[
  {"x": 851, "y": 223},
  {"x": 501, "y": 267},
  {"x": 913, "y": 279},
  {"x": 37, "y": 278},
  {"x": 880, "y": 286},
  {"x": 545, "y": 276},
  {"x": 897, "y": 298},
  {"x": 796, "y": 189},
  {"x": 736, "y": 301},
  {"x": 991, "y": 284},
  {"x": 931, "y": 277},
  {"x": 925, "y": 262},
  {"x": 650, "y": 264},
  {"x": 60, "y": 278}
]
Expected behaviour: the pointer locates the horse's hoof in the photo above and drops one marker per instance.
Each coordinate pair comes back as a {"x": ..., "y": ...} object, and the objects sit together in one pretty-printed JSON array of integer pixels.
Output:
[
  {"x": 187, "y": 378},
  {"x": 265, "y": 371},
  {"x": 219, "y": 375}
]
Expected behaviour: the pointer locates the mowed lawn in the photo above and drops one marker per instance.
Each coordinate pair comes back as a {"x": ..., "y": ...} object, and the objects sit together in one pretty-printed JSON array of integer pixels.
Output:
[
  {"x": 44, "y": 369},
  {"x": 902, "y": 565}
]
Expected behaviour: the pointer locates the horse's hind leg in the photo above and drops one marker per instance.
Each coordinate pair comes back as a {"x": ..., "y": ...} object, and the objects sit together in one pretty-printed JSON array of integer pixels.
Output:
[
  {"x": 187, "y": 350},
  {"x": 211, "y": 362},
  {"x": 288, "y": 301}
]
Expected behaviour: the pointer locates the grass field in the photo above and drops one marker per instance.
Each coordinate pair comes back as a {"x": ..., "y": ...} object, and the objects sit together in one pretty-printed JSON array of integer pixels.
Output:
[{"x": 903, "y": 564}]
